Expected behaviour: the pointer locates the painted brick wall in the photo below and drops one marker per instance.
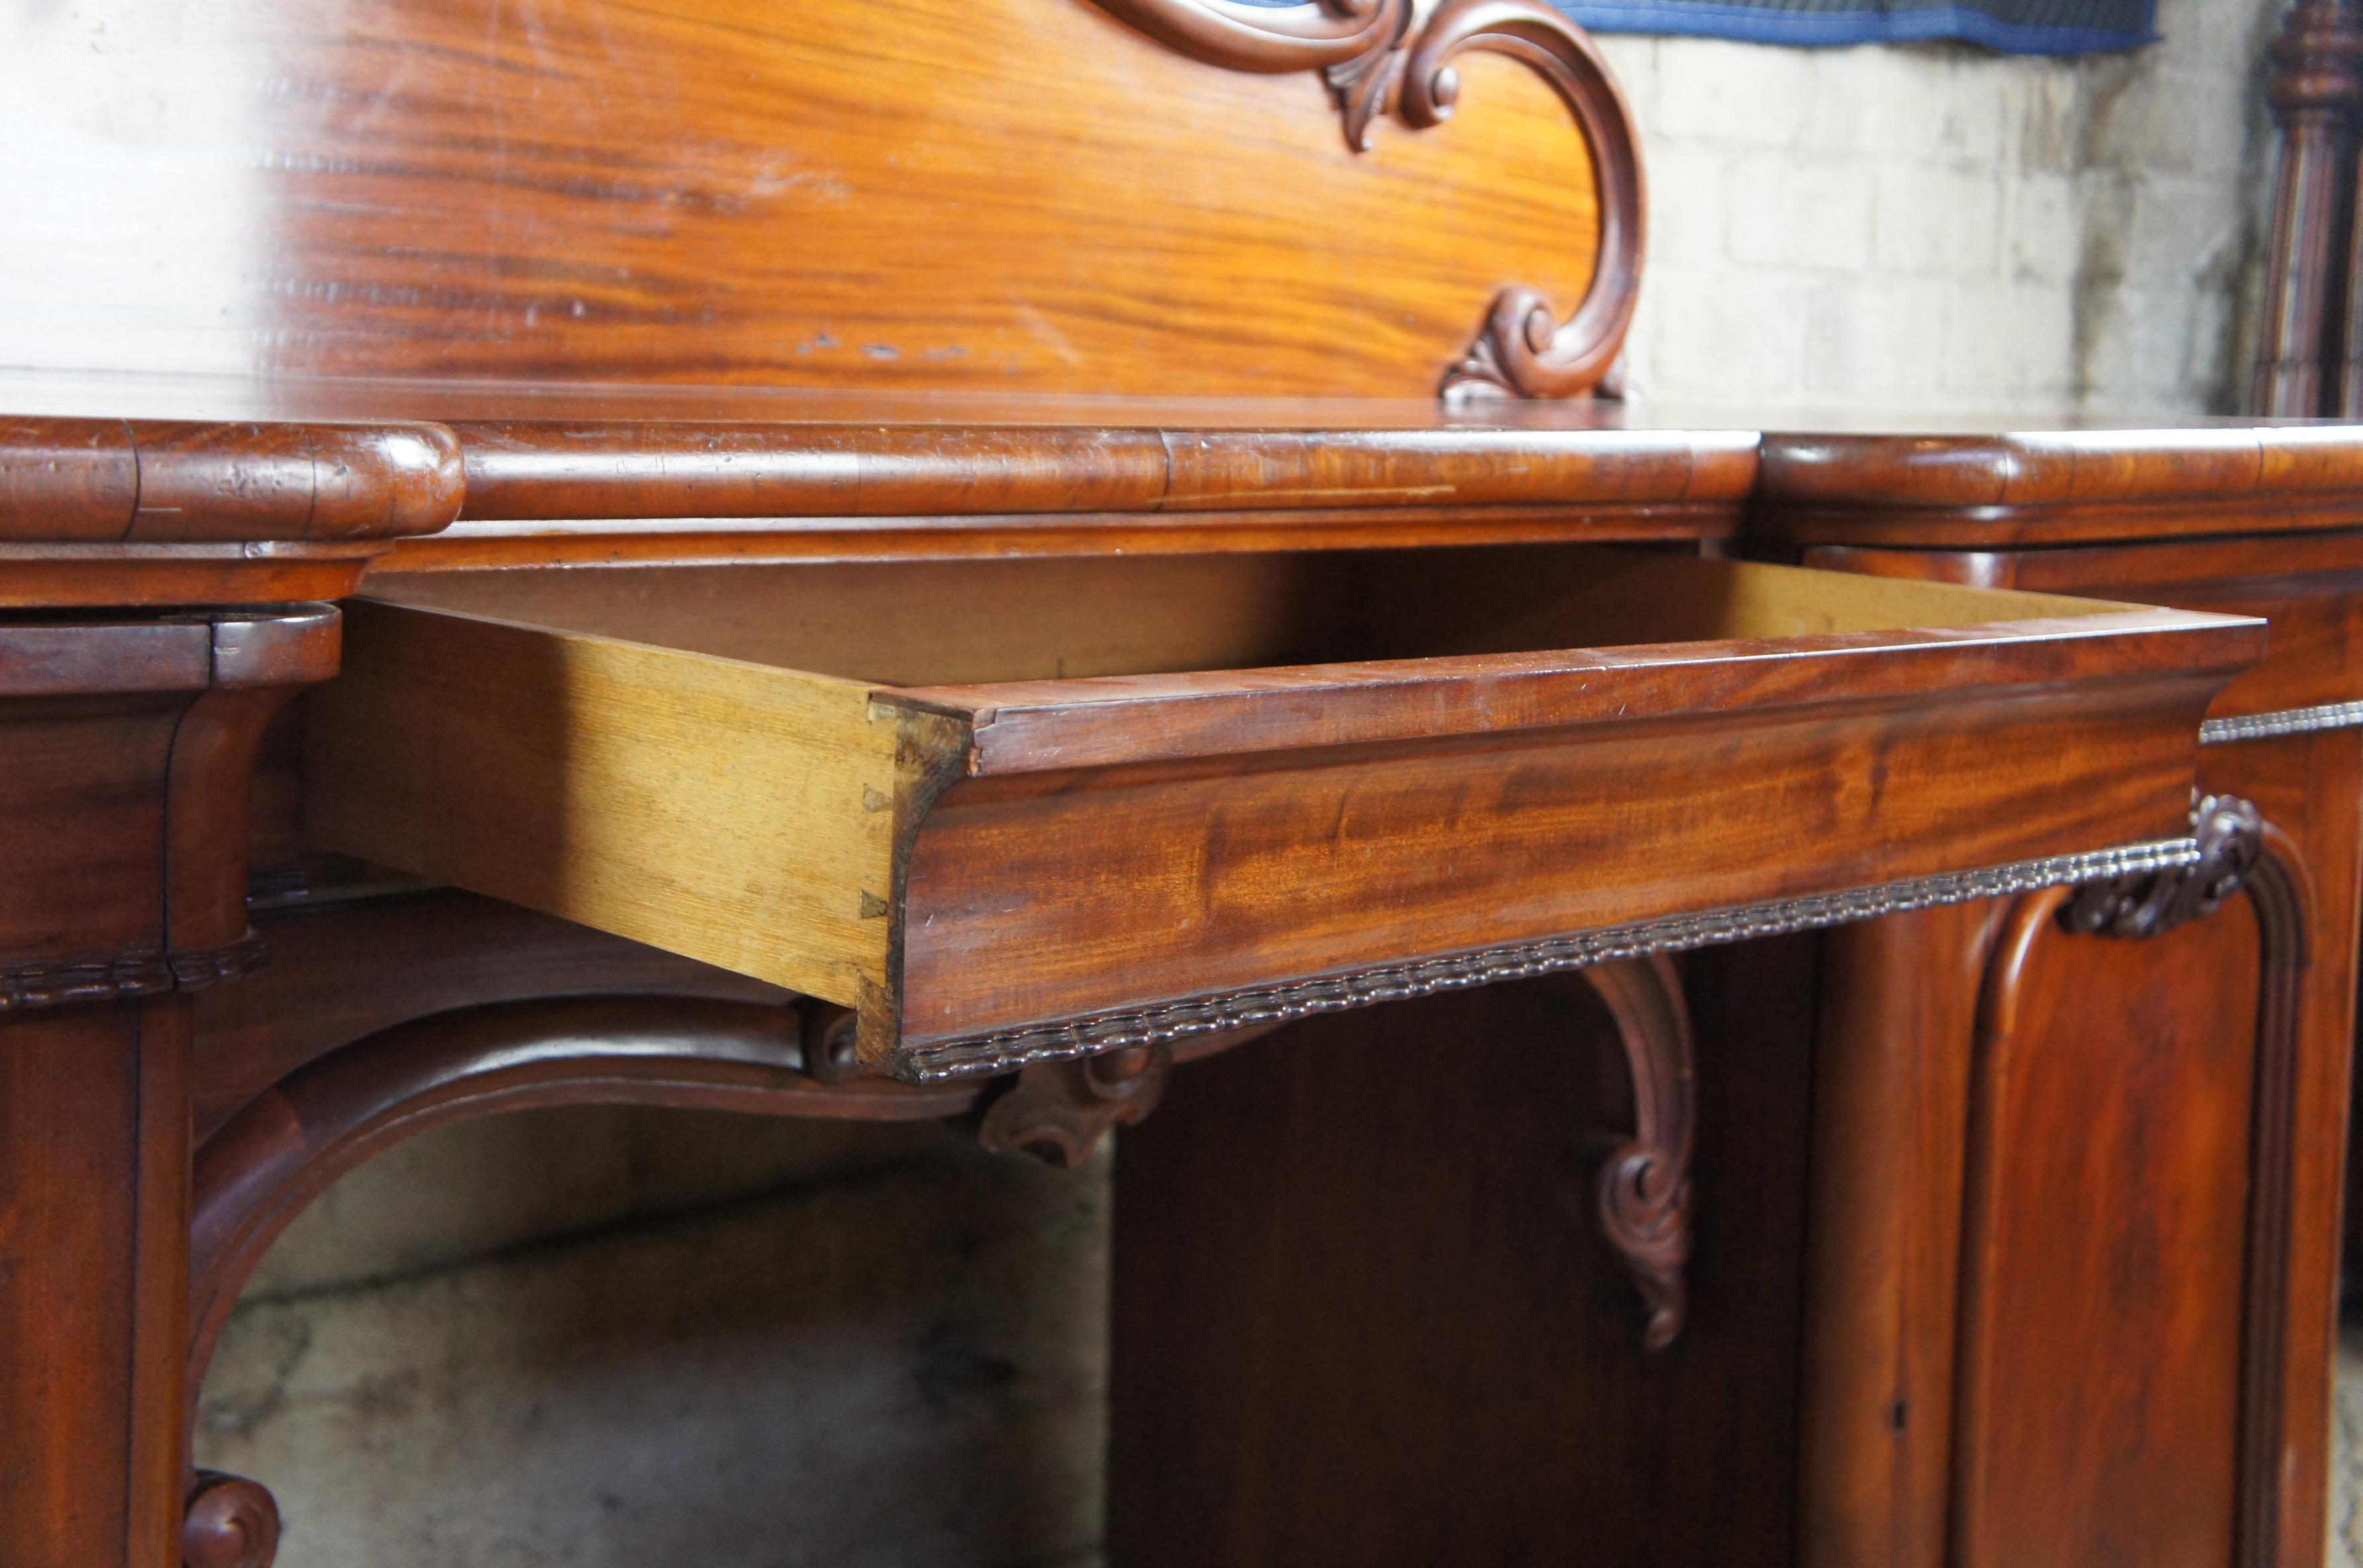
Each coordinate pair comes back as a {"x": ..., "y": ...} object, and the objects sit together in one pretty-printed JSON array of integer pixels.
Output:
[{"x": 1936, "y": 230}]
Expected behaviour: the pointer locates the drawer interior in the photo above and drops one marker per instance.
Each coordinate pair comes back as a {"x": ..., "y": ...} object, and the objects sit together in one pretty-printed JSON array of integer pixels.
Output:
[{"x": 977, "y": 621}]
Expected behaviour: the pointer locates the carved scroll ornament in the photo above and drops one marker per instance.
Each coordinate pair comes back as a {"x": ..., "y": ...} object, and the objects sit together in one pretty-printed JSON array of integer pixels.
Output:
[
  {"x": 1389, "y": 56},
  {"x": 2230, "y": 835},
  {"x": 1059, "y": 1110},
  {"x": 1644, "y": 1196},
  {"x": 265, "y": 1165}
]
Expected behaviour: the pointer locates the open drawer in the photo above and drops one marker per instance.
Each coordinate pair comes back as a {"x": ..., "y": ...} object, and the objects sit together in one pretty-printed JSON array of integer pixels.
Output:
[{"x": 1022, "y": 808}]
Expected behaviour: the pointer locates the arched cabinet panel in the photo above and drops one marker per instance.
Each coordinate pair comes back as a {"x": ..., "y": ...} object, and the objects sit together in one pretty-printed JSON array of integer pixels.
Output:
[{"x": 2120, "y": 1297}]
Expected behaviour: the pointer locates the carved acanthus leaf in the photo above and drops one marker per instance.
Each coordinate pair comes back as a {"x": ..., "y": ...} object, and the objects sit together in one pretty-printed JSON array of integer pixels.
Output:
[{"x": 2230, "y": 835}]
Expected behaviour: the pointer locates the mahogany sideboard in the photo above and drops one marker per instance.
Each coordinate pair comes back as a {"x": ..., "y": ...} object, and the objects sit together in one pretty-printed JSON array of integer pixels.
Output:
[
  {"x": 957, "y": 560},
  {"x": 1277, "y": 764}
]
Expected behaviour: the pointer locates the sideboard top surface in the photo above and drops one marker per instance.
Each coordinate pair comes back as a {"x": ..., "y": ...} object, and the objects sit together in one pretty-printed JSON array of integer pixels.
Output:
[{"x": 454, "y": 475}]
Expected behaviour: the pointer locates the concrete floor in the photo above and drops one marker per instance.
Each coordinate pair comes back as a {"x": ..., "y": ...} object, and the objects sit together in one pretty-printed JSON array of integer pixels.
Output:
[
  {"x": 600, "y": 1339},
  {"x": 606, "y": 1339},
  {"x": 2346, "y": 1462}
]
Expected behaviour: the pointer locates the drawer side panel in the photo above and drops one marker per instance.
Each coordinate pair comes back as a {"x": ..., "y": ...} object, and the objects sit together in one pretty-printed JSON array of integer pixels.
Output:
[{"x": 739, "y": 815}]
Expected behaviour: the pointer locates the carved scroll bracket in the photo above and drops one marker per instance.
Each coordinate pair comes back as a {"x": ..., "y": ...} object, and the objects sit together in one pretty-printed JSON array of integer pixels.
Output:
[
  {"x": 266, "y": 1164},
  {"x": 2231, "y": 837},
  {"x": 1059, "y": 1110},
  {"x": 1644, "y": 1194},
  {"x": 1385, "y": 55}
]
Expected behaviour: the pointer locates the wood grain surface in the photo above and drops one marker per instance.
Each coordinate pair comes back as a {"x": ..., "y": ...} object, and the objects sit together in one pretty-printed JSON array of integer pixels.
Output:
[
  {"x": 2058, "y": 485},
  {"x": 1361, "y": 1315},
  {"x": 1187, "y": 881},
  {"x": 2310, "y": 587},
  {"x": 997, "y": 193},
  {"x": 630, "y": 470},
  {"x": 2307, "y": 787},
  {"x": 2261, "y": 1461},
  {"x": 122, "y": 820},
  {"x": 734, "y": 814},
  {"x": 121, "y": 481},
  {"x": 2100, "y": 1384},
  {"x": 1087, "y": 662},
  {"x": 343, "y": 968},
  {"x": 1897, "y": 1015}
]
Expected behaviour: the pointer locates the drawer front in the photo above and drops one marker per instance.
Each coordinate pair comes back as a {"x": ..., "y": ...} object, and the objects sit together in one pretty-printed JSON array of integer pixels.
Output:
[
  {"x": 997, "y": 873},
  {"x": 1131, "y": 885}
]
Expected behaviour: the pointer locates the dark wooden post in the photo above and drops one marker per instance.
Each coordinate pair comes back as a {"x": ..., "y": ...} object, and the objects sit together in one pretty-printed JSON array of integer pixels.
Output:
[{"x": 2314, "y": 90}]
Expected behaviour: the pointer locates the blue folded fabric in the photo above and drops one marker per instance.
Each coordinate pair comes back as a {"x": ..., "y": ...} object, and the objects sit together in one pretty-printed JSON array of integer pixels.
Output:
[{"x": 2012, "y": 27}]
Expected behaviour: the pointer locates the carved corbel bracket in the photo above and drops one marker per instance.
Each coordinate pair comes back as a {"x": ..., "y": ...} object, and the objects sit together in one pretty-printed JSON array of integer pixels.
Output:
[
  {"x": 2231, "y": 835},
  {"x": 1381, "y": 57},
  {"x": 1643, "y": 1193},
  {"x": 265, "y": 1165},
  {"x": 1059, "y": 1110}
]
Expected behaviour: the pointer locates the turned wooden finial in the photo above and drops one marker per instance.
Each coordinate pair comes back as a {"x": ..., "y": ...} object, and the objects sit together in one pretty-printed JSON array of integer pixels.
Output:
[{"x": 2314, "y": 89}]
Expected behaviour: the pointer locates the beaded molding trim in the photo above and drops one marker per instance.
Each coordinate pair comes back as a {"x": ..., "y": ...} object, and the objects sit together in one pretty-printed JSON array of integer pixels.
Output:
[
  {"x": 26, "y": 988},
  {"x": 2282, "y": 722},
  {"x": 985, "y": 1054}
]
